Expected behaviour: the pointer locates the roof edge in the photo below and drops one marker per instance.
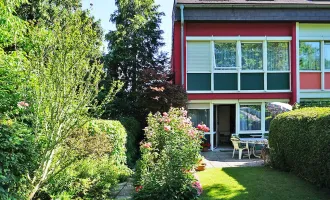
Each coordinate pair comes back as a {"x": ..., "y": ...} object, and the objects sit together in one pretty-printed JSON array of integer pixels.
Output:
[{"x": 239, "y": 5}]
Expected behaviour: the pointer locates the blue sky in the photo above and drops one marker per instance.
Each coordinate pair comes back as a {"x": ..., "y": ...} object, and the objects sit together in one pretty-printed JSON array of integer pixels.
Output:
[{"x": 103, "y": 8}]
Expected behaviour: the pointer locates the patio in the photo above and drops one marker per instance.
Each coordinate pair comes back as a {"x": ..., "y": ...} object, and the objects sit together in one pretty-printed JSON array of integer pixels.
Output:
[{"x": 220, "y": 158}]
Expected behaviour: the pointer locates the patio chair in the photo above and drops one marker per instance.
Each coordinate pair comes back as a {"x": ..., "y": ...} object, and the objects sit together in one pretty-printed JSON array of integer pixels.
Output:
[{"x": 239, "y": 147}]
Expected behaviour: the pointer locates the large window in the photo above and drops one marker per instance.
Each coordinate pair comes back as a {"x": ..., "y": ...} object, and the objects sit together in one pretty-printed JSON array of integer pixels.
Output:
[
  {"x": 225, "y": 55},
  {"x": 250, "y": 117},
  {"x": 310, "y": 56},
  {"x": 247, "y": 64},
  {"x": 327, "y": 55},
  {"x": 252, "y": 56},
  {"x": 199, "y": 116},
  {"x": 278, "y": 56}
]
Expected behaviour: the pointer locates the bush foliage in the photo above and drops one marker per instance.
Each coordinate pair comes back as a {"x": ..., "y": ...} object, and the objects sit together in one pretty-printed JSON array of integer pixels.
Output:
[
  {"x": 133, "y": 129},
  {"x": 98, "y": 163},
  {"x": 299, "y": 142},
  {"x": 170, "y": 151}
]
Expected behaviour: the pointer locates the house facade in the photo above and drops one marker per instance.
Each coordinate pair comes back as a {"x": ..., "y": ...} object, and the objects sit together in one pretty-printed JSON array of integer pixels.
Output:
[{"x": 235, "y": 58}]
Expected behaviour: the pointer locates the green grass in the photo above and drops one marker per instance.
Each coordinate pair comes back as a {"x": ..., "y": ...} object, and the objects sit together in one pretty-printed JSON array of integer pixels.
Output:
[{"x": 260, "y": 183}]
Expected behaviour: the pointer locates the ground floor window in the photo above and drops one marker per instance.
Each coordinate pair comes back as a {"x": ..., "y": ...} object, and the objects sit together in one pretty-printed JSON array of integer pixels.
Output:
[
  {"x": 199, "y": 116},
  {"x": 250, "y": 117}
]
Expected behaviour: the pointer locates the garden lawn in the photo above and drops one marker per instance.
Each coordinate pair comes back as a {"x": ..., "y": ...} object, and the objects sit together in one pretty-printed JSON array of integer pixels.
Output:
[{"x": 249, "y": 183}]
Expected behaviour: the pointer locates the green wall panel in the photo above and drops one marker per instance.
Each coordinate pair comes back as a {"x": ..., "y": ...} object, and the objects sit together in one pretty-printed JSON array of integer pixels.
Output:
[
  {"x": 252, "y": 81},
  {"x": 278, "y": 81},
  {"x": 225, "y": 81},
  {"x": 198, "y": 81}
]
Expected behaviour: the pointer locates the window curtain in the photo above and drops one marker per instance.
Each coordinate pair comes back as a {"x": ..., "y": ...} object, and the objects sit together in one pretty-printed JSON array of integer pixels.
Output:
[
  {"x": 225, "y": 55},
  {"x": 278, "y": 56},
  {"x": 199, "y": 116},
  {"x": 252, "y": 56}
]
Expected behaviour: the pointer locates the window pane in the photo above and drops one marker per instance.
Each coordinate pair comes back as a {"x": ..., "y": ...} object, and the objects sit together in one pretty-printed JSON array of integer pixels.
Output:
[
  {"x": 273, "y": 109},
  {"x": 199, "y": 116},
  {"x": 252, "y": 56},
  {"x": 250, "y": 117},
  {"x": 278, "y": 56},
  {"x": 225, "y": 55},
  {"x": 327, "y": 55},
  {"x": 310, "y": 57}
]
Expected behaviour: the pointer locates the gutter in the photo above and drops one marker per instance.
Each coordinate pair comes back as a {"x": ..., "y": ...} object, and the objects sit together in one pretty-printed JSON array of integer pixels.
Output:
[
  {"x": 182, "y": 44},
  {"x": 228, "y": 5}
]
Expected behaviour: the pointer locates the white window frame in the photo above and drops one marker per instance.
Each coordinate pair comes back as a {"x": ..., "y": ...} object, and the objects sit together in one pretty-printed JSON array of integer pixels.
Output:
[
  {"x": 238, "y": 69},
  {"x": 322, "y": 57}
]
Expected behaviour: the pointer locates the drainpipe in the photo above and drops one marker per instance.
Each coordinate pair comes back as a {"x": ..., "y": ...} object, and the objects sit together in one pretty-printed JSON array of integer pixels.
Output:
[{"x": 182, "y": 45}]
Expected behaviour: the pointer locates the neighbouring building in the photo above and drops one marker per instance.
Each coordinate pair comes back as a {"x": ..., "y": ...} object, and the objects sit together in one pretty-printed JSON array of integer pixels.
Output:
[{"x": 237, "y": 57}]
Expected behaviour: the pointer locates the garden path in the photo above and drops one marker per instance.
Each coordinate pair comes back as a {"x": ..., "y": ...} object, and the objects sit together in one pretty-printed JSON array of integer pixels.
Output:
[{"x": 221, "y": 158}]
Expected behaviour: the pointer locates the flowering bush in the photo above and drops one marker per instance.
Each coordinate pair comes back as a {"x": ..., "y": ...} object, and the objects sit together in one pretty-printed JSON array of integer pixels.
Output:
[
  {"x": 206, "y": 144},
  {"x": 169, "y": 152}
]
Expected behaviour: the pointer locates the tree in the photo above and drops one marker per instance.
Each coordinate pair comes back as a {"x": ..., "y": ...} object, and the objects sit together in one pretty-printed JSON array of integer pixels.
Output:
[
  {"x": 64, "y": 75},
  {"x": 135, "y": 58},
  {"x": 135, "y": 45}
]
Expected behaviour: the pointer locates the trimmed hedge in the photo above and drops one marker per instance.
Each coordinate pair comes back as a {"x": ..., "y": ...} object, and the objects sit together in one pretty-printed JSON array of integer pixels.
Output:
[
  {"x": 300, "y": 143},
  {"x": 134, "y": 132}
]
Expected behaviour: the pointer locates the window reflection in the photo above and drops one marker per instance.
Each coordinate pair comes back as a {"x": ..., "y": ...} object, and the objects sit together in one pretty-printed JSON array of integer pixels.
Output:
[
  {"x": 199, "y": 116},
  {"x": 250, "y": 117},
  {"x": 310, "y": 56}
]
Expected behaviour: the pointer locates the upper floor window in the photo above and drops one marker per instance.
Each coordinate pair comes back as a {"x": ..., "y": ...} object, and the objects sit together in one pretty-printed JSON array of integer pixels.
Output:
[
  {"x": 310, "y": 56},
  {"x": 225, "y": 55},
  {"x": 278, "y": 56},
  {"x": 252, "y": 56},
  {"x": 327, "y": 55}
]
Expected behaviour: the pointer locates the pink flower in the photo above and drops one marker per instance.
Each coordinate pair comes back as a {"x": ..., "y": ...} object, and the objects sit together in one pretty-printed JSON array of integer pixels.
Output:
[
  {"x": 197, "y": 185},
  {"x": 168, "y": 120},
  {"x": 22, "y": 104},
  {"x": 146, "y": 145},
  {"x": 167, "y": 128},
  {"x": 138, "y": 188},
  {"x": 203, "y": 128},
  {"x": 191, "y": 133},
  {"x": 165, "y": 114},
  {"x": 184, "y": 113}
]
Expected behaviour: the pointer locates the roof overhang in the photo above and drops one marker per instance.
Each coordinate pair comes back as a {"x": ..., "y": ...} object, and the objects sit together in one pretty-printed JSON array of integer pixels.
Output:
[{"x": 252, "y": 5}]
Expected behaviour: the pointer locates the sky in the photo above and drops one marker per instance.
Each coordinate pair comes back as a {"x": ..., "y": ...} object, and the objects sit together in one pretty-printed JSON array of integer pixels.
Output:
[{"x": 102, "y": 9}]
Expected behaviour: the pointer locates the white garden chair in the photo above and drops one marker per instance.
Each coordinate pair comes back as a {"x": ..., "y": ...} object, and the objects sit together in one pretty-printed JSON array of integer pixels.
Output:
[{"x": 239, "y": 148}]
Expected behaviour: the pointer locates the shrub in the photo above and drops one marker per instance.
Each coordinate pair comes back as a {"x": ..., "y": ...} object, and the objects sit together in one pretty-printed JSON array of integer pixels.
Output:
[
  {"x": 299, "y": 142},
  {"x": 170, "y": 151},
  {"x": 99, "y": 162},
  {"x": 17, "y": 157},
  {"x": 133, "y": 129}
]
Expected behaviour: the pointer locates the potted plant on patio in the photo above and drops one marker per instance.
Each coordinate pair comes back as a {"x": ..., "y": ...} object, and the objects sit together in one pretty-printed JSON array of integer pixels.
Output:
[
  {"x": 201, "y": 164},
  {"x": 205, "y": 146}
]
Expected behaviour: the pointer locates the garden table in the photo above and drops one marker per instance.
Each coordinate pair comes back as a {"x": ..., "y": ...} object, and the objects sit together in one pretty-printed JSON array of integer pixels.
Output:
[{"x": 253, "y": 141}]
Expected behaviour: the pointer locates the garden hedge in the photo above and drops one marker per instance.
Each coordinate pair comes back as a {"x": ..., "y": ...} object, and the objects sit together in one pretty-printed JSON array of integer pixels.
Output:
[
  {"x": 133, "y": 129},
  {"x": 300, "y": 143}
]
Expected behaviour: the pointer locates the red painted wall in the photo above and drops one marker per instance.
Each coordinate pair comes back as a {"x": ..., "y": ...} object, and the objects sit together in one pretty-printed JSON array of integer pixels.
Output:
[
  {"x": 294, "y": 65},
  {"x": 176, "y": 62},
  {"x": 240, "y": 96},
  {"x": 327, "y": 80},
  {"x": 310, "y": 80},
  {"x": 234, "y": 29}
]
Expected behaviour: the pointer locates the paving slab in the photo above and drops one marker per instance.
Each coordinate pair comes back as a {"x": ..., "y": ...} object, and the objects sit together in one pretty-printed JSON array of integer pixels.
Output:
[{"x": 221, "y": 159}]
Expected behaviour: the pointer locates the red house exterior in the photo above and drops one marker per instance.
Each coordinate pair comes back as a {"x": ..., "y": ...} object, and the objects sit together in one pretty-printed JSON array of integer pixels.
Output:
[{"x": 238, "y": 59}]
